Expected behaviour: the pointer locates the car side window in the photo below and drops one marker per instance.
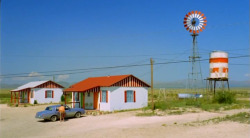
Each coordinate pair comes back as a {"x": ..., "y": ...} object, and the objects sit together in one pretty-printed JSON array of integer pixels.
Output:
[
  {"x": 57, "y": 108},
  {"x": 49, "y": 108},
  {"x": 67, "y": 108}
]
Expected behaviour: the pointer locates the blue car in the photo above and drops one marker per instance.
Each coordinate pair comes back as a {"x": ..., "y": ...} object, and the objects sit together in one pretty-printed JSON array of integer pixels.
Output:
[{"x": 52, "y": 113}]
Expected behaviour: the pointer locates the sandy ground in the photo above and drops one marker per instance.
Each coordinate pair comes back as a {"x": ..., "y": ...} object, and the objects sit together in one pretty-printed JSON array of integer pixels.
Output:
[{"x": 21, "y": 122}]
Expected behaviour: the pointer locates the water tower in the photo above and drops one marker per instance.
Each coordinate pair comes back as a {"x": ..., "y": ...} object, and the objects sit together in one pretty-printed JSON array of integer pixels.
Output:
[
  {"x": 195, "y": 22},
  {"x": 218, "y": 65}
]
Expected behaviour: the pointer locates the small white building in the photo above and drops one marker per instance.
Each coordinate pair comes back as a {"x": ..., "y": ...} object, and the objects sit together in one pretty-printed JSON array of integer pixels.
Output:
[
  {"x": 41, "y": 91},
  {"x": 109, "y": 93}
]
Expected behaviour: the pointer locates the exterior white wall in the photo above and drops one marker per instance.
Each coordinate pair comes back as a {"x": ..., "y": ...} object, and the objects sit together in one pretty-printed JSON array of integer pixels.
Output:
[
  {"x": 39, "y": 95},
  {"x": 103, "y": 106},
  {"x": 116, "y": 98}
]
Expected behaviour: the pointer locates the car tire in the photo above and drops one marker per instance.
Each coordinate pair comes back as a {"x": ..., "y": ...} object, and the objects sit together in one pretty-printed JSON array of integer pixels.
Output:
[
  {"x": 77, "y": 115},
  {"x": 53, "y": 118}
]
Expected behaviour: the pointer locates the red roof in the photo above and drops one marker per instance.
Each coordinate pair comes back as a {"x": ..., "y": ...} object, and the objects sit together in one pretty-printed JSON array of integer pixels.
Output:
[{"x": 93, "y": 82}]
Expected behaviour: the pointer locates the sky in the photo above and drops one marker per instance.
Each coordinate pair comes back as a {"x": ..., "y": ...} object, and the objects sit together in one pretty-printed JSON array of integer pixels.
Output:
[{"x": 43, "y": 38}]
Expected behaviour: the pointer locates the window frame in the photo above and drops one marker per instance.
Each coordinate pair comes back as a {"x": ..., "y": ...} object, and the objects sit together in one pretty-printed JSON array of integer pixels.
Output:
[
  {"x": 51, "y": 93},
  {"x": 104, "y": 99},
  {"x": 130, "y": 96},
  {"x": 32, "y": 94}
]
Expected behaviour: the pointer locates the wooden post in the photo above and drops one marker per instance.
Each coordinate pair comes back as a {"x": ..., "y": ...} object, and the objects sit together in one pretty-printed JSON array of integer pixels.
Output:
[
  {"x": 15, "y": 97},
  {"x": 65, "y": 99},
  {"x": 28, "y": 96},
  {"x": 152, "y": 83},
  {"x": 11, "y": 97},
  {"x": 18, "y": 97},
  {"x": 73, "y": 100}
]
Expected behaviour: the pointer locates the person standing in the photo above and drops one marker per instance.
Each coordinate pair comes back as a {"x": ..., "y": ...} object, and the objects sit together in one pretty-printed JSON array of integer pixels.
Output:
[{"x": 62, "y": 112}]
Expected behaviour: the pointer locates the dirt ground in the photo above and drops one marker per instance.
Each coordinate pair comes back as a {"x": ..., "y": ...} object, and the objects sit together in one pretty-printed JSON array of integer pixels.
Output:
[{"x": 21, "y": 122}]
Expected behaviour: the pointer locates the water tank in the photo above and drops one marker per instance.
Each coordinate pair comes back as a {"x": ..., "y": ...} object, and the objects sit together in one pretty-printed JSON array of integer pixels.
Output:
[{"x": 218, "y": 64}]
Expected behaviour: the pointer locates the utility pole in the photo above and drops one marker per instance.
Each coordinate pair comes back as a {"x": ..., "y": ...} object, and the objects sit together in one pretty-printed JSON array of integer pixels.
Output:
[{"x": 152, "y": 83}]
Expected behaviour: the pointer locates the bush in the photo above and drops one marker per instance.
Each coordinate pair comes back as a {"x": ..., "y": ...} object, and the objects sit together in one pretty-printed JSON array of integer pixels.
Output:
[
  {"x": 224, "y": 97},
  {"x": 62, "y": 98},
  {"x": 35, "y": 102}
]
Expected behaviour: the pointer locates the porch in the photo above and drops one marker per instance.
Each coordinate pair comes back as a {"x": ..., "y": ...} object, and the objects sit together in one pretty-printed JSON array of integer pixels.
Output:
[
  {"x": 20, "y": 97},
  {"x": 86, "y": 100}
]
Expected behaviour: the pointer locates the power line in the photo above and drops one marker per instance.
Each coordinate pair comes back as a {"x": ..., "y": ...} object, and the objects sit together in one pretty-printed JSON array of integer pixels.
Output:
[
  {"x": 241, "y": 64},
  {"x": 76, "y": 71}
]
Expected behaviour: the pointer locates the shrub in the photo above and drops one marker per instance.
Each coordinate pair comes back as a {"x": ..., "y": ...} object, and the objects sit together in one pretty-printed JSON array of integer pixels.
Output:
[
  {"x": 16, "y": 105},
  {"x": 224, "y": 97},
  {"x": 162, "y": 105},
  {"x": 35, "y": 102},
  {"x": 62, "y": 98}
]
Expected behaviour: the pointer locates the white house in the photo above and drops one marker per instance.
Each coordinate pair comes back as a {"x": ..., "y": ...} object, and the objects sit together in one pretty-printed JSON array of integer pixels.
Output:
[
  {"x": 109, "y": 93},
  {"x": 41, "y": 91}
]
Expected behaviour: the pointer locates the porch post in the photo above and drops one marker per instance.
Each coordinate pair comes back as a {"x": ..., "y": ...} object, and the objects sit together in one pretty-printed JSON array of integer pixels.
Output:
[
  {"x": 98, "y": 101},
  {"x": 65, "y": 98},
  {"x": 15, "y": 97},
  {"x": 10, "y": 97},
  {"x": 28, "y": 96},
  {"x": 18, "y": 97},
  {"x": 72, "y": 100}
]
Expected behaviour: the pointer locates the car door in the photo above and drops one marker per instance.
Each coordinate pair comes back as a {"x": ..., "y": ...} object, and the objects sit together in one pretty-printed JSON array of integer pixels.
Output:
[{"x": 68, "y": 112}]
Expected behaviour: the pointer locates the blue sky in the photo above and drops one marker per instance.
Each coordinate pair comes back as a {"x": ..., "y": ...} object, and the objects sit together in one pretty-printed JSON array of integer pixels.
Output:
[{"x": 43, "y": 35}]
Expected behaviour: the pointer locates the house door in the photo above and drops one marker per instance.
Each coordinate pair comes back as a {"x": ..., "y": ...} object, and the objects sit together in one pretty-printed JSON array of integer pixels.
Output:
[
  {"x": 96, "y": 100},
  {"x": 89, "y": 96}
]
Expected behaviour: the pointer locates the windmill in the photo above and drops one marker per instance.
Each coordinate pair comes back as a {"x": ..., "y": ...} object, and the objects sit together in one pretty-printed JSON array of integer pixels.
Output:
[{"x": 194, "y": 22}]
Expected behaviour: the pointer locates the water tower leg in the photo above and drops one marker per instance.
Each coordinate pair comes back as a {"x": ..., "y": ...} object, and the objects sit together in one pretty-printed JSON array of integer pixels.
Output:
[
  {"x": 211, "y": 86},
  {"x": 228, "y": 85}
]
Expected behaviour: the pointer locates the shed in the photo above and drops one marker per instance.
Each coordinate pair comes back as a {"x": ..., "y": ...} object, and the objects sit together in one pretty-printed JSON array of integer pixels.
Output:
[{"x": 109, "y": 93}]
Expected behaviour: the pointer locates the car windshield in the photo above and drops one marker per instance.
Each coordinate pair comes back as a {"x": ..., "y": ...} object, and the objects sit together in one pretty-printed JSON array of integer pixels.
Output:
[{"x": 48, "y": 108}]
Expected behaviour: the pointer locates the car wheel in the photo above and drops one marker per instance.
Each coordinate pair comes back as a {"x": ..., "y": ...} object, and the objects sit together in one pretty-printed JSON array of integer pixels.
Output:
[
  {"x": 53, "y": 118},
  {"x": 78, "y": 115}
]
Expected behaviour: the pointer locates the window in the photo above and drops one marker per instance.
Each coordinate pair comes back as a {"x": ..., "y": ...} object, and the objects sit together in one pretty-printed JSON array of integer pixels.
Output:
[
  {"x": 66, "y": 107},
  {"x": 49, "y": 108},
  {"x": 49, "y": 94},
  {"x": 130, "y": 96},
  {"x": 104, "y": 96},
  {"x": 32, "y": 94}
]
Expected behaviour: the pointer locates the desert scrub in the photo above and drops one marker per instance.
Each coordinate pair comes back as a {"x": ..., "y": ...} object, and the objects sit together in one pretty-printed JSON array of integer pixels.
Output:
[
  {"x": 179, "y": 112},
  {"x": 242, "y": 117},
  {"x": 151, "y": 113},
  {"x": 224, "y": 97}
]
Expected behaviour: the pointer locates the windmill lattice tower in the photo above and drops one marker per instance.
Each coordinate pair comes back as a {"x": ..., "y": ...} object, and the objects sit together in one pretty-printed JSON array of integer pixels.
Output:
[{"x": 195, "y": 22}]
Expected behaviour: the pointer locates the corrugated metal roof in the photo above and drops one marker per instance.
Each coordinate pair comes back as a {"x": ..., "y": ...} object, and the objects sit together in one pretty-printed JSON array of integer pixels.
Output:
[
  {"x": 29, "y": 85},
  {"x": 90, "y": 83}
]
